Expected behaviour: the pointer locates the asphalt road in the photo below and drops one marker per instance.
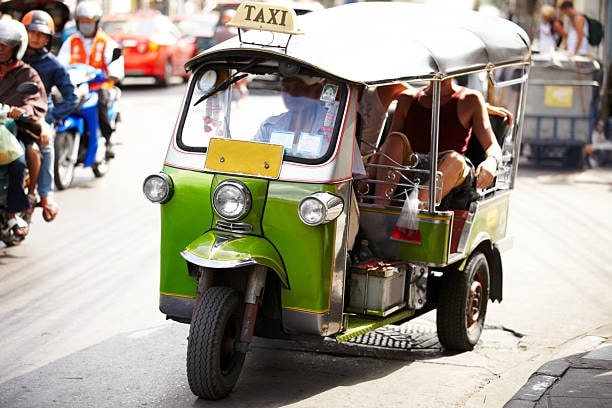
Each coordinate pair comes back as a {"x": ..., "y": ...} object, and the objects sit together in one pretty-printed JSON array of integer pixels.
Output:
[{"x": 80, "y": 326}]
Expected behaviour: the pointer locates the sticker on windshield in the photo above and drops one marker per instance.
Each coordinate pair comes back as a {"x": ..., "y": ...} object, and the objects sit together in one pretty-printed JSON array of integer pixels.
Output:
[{"x": 329, "y": 93}]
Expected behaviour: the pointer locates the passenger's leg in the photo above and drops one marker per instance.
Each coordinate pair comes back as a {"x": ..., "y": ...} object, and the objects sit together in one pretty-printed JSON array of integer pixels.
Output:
[
  {"x": 17, "y": 200},
  {"x": 454, "y": 170},
  {"x": 104, "y": 121},
  {"x": 396, "y": 150},
  {"x": 33, "y": 160},
  {"x": 45, "y": 182}
]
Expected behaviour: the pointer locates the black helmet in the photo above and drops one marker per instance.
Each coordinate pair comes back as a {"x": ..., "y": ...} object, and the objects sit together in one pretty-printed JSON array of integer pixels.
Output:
[
  {"x": 39, "y": 20},
  {"x": 14, "y": 34}
]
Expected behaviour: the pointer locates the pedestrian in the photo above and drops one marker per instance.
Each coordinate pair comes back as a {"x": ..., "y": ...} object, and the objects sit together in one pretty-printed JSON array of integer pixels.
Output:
[
  {"x": 91, "y": 45},
  {"x": 577, "y": 42},
  {"x": 41, "y": 28},
  {"x": 550, "y": 30}
]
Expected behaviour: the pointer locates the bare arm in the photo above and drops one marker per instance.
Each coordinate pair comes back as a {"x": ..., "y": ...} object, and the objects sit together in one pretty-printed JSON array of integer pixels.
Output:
[{"x": 579, "y": 26}]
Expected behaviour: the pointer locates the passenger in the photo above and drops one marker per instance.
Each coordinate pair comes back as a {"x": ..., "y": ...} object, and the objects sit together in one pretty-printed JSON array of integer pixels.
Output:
[
  {"x": 305, "y": 111},
  {"x": 28, "y": 112},
  {"x": 577, "y": 41},
  {"x": 373, "y": 106},
  {"x": 41, "y": 29},
  {"x": 462, "y": 111},
  {"x": 78, "y": 49}
]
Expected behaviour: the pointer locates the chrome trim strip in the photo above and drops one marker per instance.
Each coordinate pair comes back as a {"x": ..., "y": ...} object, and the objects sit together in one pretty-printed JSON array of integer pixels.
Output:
[{"x": 212, "y": 263}]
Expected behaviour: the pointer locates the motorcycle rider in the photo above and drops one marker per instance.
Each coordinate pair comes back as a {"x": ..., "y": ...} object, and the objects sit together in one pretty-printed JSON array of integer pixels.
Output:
[
  {"x": 91, "y": 45},
  {"x": 28, "y": 112},
  {"x": 41, "y": 28}
]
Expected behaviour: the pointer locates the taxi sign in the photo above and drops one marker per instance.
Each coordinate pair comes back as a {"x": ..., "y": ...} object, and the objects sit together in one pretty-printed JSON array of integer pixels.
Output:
[{"x": 265, "y": 17}]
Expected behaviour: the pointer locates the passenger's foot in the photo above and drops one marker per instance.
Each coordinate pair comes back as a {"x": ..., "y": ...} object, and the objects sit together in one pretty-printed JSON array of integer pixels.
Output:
[
  {"x": 19, "y": 226},
  {"x": 49, "y": 208}
]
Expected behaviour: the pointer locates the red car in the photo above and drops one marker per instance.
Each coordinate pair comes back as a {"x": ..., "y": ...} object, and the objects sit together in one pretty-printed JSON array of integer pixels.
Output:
[{"x": 153, "y": 46}]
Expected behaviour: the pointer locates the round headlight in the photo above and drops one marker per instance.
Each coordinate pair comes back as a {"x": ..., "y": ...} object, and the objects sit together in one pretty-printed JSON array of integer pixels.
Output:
[
  {"x": 232, "y": 200},
  {"x": 311, "y": 211},
  {"x": 158, "y": 188}
]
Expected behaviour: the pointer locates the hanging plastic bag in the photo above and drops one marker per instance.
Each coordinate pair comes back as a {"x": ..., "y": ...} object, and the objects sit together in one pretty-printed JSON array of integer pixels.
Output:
[
  {"x": 407, "y": 227},
  {"x": 10, "y": 148}
]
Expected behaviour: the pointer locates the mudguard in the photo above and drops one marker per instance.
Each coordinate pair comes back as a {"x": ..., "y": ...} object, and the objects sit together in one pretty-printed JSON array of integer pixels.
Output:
[{"x": 215, "y": 249}]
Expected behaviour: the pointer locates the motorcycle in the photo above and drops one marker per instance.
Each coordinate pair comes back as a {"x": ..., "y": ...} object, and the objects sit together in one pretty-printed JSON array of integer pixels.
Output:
[
  {"x": 78, "y": 139},
  {"x": 7, "y": 235}
]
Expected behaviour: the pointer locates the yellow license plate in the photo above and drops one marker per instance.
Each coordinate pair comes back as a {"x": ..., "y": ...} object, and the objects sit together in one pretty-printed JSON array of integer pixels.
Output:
[{"x": 244, "y": 158}]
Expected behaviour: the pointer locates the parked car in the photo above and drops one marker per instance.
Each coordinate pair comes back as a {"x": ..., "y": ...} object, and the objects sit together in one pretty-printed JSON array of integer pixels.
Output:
[
  {"x": 153, "y": 46},
  {"x": 200, "y": 27}
]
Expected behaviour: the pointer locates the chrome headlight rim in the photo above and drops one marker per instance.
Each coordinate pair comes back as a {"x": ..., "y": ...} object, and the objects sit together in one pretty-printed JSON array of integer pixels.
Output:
[
  {"x": 320, "y": 208},
  {"x": 241, "y": 209},
  {"x": 160, "y": 183}
]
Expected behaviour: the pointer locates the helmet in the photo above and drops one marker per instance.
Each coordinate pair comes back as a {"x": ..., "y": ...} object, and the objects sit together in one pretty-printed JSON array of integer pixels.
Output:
[
  {"x": 89, "y": 9},
  {"x": 14, "y": 34},
  {"x": 39, "y": 20}
]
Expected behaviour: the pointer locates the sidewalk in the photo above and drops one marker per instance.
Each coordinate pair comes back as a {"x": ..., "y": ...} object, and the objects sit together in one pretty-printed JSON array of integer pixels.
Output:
[{"x": 581, "y": 380}]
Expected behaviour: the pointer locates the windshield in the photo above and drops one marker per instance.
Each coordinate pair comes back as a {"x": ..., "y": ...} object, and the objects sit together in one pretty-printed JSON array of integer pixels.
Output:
[{"x": 300, "y": 113}]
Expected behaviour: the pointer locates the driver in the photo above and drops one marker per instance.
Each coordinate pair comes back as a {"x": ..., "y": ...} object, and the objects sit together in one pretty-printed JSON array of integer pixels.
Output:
[{"x": 305, "y": 111}]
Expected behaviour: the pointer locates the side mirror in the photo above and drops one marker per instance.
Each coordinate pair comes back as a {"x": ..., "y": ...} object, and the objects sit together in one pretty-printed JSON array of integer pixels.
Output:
[
  {"x": 27, "y": 88},
  {"x": 117, "y": 53}
]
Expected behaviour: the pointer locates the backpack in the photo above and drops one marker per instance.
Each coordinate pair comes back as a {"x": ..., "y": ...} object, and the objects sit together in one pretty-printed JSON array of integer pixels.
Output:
[{"x": 595, "y": 31}]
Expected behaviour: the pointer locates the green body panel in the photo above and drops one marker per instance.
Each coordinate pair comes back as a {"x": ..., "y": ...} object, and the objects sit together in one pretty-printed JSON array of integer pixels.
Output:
[
  {"x": 490, "y": 221},
  {"x": 308, "y": 252},
  {"x": 301, "y": 255},
  {"x": 435, "y": 240},
  {"x": 184, "y": 218}
]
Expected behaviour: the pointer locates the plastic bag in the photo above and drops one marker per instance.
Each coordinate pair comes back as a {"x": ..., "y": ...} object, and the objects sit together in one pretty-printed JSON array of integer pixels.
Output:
[
  {"x": 407, "y": 227},
  {"x": 10, "y": 148}
]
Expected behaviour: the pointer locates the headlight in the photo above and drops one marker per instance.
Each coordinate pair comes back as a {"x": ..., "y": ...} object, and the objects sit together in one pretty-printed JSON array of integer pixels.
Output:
[
  {"x": 320, "y": 208},
  {"x": 232, "y": 200},
  {"x": 158, "y": 188}
]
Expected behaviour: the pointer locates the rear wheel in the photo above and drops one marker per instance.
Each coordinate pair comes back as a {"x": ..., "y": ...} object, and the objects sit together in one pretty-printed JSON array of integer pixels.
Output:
[
  {"x": 463, "y": 305},
  {"x": 213, "y": 359},
  {"x": 63, "y": 168}
]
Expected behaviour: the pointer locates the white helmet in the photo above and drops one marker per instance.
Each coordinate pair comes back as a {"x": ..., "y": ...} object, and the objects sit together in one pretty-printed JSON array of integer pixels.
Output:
[
  {"x": 14, "y": 34},
  {"x": 89, "y": 9}
]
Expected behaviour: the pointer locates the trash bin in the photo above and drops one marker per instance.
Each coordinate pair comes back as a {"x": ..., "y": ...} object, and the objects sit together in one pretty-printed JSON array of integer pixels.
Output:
[{"x": 562, "y": 108}]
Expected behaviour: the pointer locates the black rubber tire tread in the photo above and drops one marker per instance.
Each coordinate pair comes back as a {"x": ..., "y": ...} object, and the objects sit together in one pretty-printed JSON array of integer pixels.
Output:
[
  {"x": 212, "y": 372},
  {"x": 451, "y": 318},
  {"x": 61, "y": 141}
]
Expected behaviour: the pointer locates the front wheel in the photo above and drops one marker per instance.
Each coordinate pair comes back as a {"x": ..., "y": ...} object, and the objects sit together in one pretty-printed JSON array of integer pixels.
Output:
[
  {"x": 100, "y": 168},
  {"x": 63, "y": 168},
  {"x": 213, "y": 359},
  {"x": 463, "y": 305}
]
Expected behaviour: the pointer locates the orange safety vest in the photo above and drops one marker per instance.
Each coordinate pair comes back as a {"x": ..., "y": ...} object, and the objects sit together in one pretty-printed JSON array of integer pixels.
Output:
[{"x": 78, "y": 54}]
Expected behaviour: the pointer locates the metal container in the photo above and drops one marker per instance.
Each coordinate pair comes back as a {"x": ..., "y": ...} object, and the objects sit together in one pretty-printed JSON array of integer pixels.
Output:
[{"x": 377, "y": 289}]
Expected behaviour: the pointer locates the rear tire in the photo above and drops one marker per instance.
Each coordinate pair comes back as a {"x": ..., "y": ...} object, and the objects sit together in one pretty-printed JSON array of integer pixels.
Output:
[
  {"x": 213, "y": 361},
  {"x": 63, "y": 167},
  {"x": 463, "y": 304}
]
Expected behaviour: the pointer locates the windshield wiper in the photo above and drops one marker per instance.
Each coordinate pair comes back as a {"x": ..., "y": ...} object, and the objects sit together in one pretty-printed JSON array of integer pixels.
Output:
[{"x": 221, "y": 87}]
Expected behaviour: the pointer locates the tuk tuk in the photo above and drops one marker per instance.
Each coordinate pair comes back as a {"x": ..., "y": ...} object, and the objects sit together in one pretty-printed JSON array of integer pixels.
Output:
[{"x": 258, "y": 219}]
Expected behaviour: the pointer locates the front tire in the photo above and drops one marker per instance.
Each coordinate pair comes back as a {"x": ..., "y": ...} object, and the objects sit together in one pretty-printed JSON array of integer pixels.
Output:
[
  {"x": 213, "y": 359},
  {"x": 63, "y": 168},
  {"x": 463, "y": 305}
]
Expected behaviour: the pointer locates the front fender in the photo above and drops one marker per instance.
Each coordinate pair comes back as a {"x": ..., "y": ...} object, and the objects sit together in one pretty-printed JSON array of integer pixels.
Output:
[{"x": 215, "y": 249}]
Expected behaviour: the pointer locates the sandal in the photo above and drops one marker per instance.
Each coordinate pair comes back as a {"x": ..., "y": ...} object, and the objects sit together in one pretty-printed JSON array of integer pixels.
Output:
[
  {"x": 19, "y": 227},
  {"x": 49, "y": 210}
]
